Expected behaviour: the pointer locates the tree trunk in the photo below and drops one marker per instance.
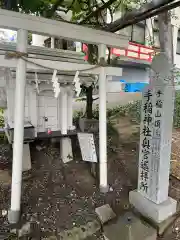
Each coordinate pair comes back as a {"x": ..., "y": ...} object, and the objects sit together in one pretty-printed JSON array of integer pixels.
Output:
[
  {"x": 89, "y": 103},
  {"x": 92, "y": 59},
  {"x": 165, "y": 35}
]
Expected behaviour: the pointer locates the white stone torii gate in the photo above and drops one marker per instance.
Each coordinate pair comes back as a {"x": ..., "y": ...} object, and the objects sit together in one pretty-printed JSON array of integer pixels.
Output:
[{"x": 24, "y": 23}]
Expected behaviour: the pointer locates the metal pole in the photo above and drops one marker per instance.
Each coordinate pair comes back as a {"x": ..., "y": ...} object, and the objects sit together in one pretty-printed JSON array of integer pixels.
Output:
[
  {"x": 14, "y": 212},
  {"x": 102, "y": 123}
]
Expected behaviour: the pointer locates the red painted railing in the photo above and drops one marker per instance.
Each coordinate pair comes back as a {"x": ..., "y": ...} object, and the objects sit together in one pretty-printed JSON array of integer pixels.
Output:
[{"x": 134, "y": 50}]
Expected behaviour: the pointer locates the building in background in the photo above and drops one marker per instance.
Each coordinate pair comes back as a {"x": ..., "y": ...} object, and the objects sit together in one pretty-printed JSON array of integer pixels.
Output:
[
  {"x": 7, "y": 35},
  {"x": 144, "y": 43}
]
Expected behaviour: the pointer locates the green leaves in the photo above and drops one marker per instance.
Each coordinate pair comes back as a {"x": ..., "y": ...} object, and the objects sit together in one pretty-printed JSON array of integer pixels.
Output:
[
  {"x": 76, "y": 7},
  {"x": 127, "y": 5}
]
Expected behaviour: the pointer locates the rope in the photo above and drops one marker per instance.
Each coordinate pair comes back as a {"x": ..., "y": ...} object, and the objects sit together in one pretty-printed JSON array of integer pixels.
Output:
[
  {"x": 9, "y": 55},
  {"x": 16, "y": 54}
]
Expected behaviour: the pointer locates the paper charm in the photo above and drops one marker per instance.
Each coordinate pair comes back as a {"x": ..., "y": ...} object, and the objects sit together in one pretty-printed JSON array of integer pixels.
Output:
[
  {"x": 77, "y": 84},
  {"x": 56, "y": 85}
]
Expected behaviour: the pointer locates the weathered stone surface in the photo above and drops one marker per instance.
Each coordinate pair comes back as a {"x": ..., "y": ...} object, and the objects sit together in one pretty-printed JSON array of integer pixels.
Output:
[
  {"x": 163, "y": 225},
  {"x": 105, "y": 213},
  {"x": 156, "y": 132},
  {"x": 129, "y": 227},
  {"x": 155, "y": 212}
]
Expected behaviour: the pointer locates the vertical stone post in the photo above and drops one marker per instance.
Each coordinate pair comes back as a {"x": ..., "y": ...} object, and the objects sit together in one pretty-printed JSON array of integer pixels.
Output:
[
  {"x": 70, "y": 109},
  {"x": 63, "y": 110},
  {"x": 151, "y": 198},
  {"x": 65, "y": 142}
]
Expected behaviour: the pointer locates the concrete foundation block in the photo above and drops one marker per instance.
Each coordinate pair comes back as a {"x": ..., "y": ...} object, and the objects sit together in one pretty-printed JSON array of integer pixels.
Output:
[
  {"x": 155, "y": 212},
  {"x": 129, "y": 227},
  {"x": 105, "y": 213},
  {"x": 66, "y": 150}
]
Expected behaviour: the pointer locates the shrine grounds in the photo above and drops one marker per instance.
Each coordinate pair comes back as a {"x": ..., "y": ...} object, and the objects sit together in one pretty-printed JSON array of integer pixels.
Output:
[{"x": 58, "y": 197}]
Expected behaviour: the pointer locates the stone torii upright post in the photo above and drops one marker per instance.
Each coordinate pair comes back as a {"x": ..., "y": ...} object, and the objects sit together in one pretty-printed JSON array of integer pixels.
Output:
[
  {"x": 14, "y": 213},
  {"x": 102, "y": 122}
]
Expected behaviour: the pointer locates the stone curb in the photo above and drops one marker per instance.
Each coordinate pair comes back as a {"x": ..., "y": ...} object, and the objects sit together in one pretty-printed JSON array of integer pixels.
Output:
[{"x": 77, "y": 233}]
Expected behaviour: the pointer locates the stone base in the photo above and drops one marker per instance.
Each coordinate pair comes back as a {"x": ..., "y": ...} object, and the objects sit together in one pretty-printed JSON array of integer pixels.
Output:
[
  {"x": 13, "y": 216},
  {"x": 104, "y": 189},
  {"x": 66, "y": 150},
  {"x": 155, "y": 212},
  {"x": 163, "y": 226},
  {"x": 129, "y": 227}
]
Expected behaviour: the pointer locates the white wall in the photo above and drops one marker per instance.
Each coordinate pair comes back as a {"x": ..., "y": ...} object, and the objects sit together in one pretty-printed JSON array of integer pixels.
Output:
[
  {"x": 134, "y": 75},
  {"x": 8, "y": 35},
  {"x": 114, "y": 86},
  {"x": 38, "y": 40}
]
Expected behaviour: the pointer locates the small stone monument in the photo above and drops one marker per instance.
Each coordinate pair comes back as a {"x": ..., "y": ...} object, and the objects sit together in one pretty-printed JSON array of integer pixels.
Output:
[{"x": 151, "y": 198}]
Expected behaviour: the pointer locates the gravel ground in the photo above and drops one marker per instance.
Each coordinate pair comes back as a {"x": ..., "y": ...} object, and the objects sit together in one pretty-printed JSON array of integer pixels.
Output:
[{"x": 58, "y": 196}]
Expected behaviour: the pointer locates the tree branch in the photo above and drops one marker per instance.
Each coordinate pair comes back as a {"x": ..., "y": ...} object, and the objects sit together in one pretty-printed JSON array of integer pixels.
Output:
[
  {"x": 93, "y": 13},
  {"x": 54, "y": 8},
  {"x": 94, "y": 99},
  {"x": 70, "y": 6},
  {"x": 146, "y": 11}
]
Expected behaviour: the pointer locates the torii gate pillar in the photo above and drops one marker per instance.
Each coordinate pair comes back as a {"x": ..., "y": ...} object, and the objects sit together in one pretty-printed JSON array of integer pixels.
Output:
[
  {"x": 102, "y": 123},
  {"x": 14, "y": 213}
]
